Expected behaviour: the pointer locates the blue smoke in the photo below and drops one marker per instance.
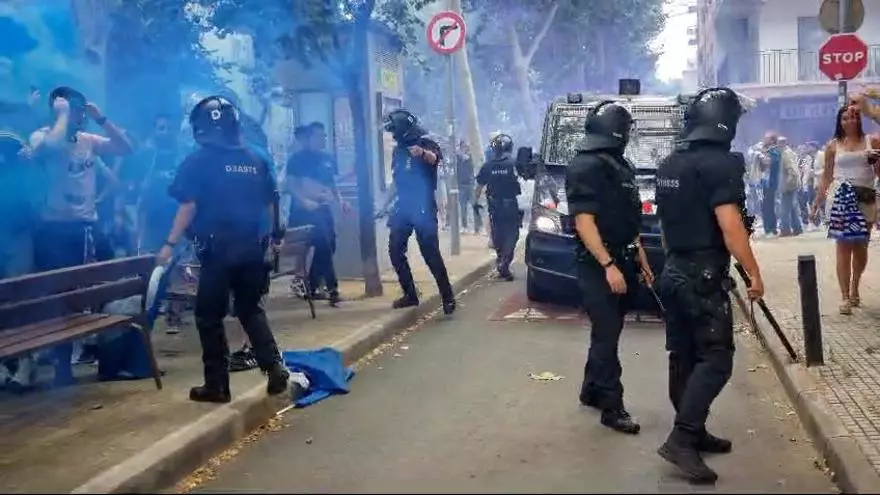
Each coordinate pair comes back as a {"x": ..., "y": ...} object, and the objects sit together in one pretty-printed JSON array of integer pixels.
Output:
[{"x": 39, "y": 47}]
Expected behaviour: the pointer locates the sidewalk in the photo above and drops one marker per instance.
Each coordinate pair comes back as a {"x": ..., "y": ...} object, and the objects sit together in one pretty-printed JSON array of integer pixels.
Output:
[
  {"x": 53, "y": 441},
  {"x": 841, "y": 400}
]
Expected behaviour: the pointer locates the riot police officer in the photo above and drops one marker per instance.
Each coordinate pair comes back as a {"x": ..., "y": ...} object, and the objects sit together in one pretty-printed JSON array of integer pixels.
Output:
[
  {"x": 414, "y": 182},
  {"x": 700, "y": 201},
  {"x": 498, "y": 177},
  {"x": 228, "y": 197},
  {"x": 604, "y": 201}
]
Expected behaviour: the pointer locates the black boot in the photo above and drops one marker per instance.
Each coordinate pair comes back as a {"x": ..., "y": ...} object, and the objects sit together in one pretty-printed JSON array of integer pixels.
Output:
[
  {"x": 449, "y": 305},
  {"x": 620, "y": 420},
  {"x": 711, "y": 444},
  {"x": 204, "y": 394},
  {"x": 588, "y": 398},
  {"x": 278, "y": 379},
  {"x": 216, "y": 387},
  {"x": 686, "y": 457},
  {"x": 405, "y": 302},
  {"x": 334, "y": 298}
]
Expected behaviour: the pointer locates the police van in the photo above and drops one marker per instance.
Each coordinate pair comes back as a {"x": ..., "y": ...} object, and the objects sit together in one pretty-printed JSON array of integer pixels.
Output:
[{"x": 550, "y": 242}]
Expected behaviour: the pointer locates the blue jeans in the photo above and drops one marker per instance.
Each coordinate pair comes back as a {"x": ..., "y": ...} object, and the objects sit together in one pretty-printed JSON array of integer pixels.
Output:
[
  {"x": 790, "y": 221},
  {"x": 768, "y": 209}
]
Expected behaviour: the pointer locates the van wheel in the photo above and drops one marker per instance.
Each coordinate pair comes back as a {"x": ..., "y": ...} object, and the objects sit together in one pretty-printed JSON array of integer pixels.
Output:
[{"x": 535, "y": 292}]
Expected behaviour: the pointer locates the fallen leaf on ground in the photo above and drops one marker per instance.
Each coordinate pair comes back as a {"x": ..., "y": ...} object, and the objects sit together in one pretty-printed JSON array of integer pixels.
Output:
[{"x": 546, "y": 376}]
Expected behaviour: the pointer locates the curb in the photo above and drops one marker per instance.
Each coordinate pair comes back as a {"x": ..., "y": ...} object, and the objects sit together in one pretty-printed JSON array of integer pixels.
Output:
[
  {"x": 850, "y": 468},
  {"x": 180, "y": 453}
]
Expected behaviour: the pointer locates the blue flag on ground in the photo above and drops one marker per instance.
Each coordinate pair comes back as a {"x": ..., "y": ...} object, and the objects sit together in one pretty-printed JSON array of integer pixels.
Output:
[{"x": 325, "y": 370}]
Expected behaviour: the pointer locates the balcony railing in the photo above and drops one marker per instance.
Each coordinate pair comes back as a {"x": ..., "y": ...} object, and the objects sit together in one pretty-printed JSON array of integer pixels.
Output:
[{"x": 785, "y": 67}]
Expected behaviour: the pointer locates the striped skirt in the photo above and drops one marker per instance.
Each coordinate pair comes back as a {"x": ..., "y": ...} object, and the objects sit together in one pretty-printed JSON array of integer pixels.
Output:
[{"x": 846, "y": 222}]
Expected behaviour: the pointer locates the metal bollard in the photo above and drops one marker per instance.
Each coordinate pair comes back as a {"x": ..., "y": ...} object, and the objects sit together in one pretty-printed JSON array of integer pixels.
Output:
[{"x": 813, "y": 350}]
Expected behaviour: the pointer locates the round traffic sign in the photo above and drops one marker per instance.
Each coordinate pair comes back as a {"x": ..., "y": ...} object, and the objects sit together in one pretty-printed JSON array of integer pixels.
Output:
[
  {"x": 843, "y": 57},
  {"x": 446, "y": 32}
]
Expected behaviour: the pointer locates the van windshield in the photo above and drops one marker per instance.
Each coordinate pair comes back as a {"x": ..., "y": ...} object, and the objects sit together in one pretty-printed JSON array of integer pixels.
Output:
[{"x": 653, "y": 136}]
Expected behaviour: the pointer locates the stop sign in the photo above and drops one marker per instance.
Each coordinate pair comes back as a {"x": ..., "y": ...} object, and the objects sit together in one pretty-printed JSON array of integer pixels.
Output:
[{"x": 843, "y": 56}]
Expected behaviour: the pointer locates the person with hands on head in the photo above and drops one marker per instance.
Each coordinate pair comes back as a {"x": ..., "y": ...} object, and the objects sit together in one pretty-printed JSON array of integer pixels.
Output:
[
  {"x": 412, "y": 207},
  {"x": 701, "y": 207},
  {"x": 69, "y": 157},
  {"x": 228, "y": 197},
  {"x": 604, "y": 201}
]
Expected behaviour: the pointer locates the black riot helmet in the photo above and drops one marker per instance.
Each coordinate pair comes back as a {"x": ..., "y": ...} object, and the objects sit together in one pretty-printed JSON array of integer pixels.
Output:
[
  {"x": 215, "y": 121},
  {"x": 501, "y": 145},
  {"x": 712, "y": 116},
  {"x": 402, "y": 125},
  {"x": 607, "y": 127}
]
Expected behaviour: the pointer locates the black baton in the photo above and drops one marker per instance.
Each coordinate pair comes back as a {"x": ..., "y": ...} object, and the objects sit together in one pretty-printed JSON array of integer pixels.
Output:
[{"x": 767, "y": 314}]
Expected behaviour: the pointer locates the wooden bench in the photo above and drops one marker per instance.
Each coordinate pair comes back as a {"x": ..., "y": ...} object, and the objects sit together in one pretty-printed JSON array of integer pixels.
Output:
[
  {"x": 294, "y": 259},
  {"x": 45, "y": 309}
]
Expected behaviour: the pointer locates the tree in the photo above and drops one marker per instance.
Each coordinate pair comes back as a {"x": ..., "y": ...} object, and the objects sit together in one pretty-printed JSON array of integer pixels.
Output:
[
  {"x": 153, "y": 51},
  {"x": 333, "y": 34},
  {"x": 566, "y": 43}
]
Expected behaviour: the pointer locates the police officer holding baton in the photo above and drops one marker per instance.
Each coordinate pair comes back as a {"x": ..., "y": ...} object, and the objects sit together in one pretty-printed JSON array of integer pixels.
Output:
[
  {"x": 498, "y": 177},
  {"x": 604, "y": 201},
  {"x": 700, "y": 203},
  {"x": 228, "y": 197},
  {"x": 411, "y": 207}
]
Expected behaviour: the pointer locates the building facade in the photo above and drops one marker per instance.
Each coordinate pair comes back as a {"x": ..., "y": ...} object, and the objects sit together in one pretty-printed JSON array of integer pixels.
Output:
[{"x": 768, "y": 50}]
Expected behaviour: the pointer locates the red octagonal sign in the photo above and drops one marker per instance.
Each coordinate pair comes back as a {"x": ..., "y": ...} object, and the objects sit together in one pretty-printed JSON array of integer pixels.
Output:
[{"x": 843, "y": 57}]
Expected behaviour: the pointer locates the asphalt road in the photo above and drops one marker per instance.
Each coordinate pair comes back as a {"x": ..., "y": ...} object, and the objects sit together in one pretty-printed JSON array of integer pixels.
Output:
[{"x": 452, "y": 409}]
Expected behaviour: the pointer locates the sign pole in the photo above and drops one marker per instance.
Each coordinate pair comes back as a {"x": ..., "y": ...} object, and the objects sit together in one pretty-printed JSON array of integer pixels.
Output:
[
  {"x": 844, "y": 26},
  {"x": 452, "y": 178},
  {"x": 448, "y": 38}
]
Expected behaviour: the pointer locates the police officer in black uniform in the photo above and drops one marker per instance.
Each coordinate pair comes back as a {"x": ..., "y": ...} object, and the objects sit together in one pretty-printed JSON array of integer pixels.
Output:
[
  {"x": 604, "y": 202},
  {"x": 229, "y": 202},
  {"x": 498, "y": 177},
  {"x": 700, "y": 203},
  {"x": 414, "y": 174}
]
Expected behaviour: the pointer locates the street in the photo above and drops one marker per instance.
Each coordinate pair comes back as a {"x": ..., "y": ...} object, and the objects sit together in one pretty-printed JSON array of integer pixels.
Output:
[{"x": 452, "y": 408}]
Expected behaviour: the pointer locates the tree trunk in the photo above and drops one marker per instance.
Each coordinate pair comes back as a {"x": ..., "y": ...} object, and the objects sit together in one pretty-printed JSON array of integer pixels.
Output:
[
  {"x": 466, "y": 90},
  {"x": 522, "y": 59},
  {"x": 521, "y": 72},
  {"x": 366, "y": 217}
]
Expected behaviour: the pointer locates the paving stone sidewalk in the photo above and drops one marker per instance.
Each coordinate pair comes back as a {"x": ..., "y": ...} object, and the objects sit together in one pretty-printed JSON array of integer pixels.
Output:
[
  {"x": 52, "y": 441},
  {"x": 850, "y": 380}
]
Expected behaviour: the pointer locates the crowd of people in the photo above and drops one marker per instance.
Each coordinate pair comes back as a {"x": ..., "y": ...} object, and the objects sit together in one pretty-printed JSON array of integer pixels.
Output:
[{"x": 781, "y": 184}]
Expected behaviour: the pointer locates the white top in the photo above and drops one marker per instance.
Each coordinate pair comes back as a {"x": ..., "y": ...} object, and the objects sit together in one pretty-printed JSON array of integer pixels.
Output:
[
  {"x": 853, "y": 166},
  {"x": 71, "y": 173}
]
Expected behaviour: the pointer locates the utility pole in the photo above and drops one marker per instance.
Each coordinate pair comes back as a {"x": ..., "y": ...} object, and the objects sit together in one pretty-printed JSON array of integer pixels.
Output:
[{"x": 845, "y": 27}]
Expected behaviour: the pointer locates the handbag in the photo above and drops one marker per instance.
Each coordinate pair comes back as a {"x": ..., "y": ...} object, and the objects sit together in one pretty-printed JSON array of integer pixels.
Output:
[{"x": 865, "y": 194}]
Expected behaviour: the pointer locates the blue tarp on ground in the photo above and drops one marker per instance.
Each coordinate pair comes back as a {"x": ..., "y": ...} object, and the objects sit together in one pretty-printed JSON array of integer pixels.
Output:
[{"x": 325, "y": 370}]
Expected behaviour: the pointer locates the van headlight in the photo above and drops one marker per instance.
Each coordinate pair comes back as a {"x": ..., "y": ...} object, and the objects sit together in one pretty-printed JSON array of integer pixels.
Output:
[{"x": 547, "y": 220}]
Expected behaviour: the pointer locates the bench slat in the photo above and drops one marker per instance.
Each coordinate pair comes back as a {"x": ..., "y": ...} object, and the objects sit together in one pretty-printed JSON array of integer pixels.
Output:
[
  {"x": 64, "y": 334},
  {"x": 52, "y": 282},
  {"x": 75, "y": 301},
  {"x": 33, "y": 330}
]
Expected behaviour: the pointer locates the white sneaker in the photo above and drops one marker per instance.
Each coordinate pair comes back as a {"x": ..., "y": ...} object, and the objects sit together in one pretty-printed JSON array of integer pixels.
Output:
[{"x": 25, "y": 376}]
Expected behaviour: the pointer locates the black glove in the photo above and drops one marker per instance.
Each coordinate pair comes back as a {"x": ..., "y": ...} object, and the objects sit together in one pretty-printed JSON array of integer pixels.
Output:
[{"x": 477, "y": 208}]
